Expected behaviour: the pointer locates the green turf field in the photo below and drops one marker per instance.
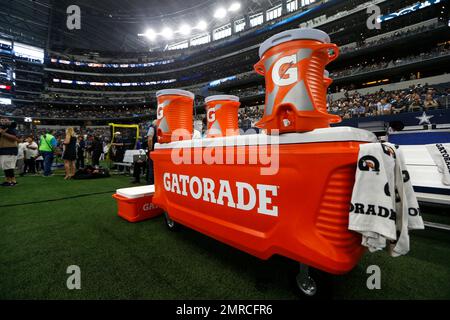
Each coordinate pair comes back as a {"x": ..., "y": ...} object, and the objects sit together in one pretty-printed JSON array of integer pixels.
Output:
[{"x": 121, "y": 260}]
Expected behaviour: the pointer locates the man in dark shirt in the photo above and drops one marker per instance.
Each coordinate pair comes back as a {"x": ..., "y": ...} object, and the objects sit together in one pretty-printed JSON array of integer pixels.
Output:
[
  {"x": 152, "y": 139},
  {"x": 8, "y": 151},
  {"x": 97, "y": 150},
  {"x": 81, "y": 146}
]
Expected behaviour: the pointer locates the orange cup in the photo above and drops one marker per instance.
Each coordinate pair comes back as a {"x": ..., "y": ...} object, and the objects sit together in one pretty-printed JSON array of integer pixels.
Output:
[
  {"x": 222, "y": 115},
  {"x": 174, "y": 115},
  {"x": 293, "y": 63}
]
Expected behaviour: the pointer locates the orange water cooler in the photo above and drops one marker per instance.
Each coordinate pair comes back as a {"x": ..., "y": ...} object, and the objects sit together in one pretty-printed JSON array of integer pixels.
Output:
[
  {"x": 293, "y": 63},
  {"x": 174, "y": 115},
  {"x": 222, "y": 115}
]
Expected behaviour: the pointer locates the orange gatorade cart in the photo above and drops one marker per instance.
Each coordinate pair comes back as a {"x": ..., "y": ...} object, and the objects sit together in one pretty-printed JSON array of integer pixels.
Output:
[
  {"x": 300, "y": 212},
  {"x": 269, "y": 194},
  {"x": 222, "y": 115},
  {"x": 135, "y": 204}
]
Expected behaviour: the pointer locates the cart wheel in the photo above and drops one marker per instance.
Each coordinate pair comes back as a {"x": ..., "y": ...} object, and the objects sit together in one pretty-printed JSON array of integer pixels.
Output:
[
  {"x": 313, "y": 283},
  {"x": 171, "y": 225},
  {"x": 307, "y": 285}
]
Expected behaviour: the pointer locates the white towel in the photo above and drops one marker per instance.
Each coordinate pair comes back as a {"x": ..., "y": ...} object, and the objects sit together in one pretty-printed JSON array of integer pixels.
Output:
[
  {"x": 408, "y": 212},
  {"x": 383, "y": 206},
  {"x": 440, "y": 153}
]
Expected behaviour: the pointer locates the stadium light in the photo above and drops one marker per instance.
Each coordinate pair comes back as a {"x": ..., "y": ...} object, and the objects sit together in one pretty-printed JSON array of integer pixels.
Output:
[
  {"x": 167, "y": 33},
  {"x": 235, "y": 6},
  {"x": 202, "y": 25},
  {"x": 220, "y": 13},
  {"x": 150, "y": 34},
  {"x": 184, "y": 29}
]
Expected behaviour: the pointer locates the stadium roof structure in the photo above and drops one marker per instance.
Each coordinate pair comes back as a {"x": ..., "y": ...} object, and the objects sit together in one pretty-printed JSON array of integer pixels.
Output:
[{"x": 106, "y": 25}]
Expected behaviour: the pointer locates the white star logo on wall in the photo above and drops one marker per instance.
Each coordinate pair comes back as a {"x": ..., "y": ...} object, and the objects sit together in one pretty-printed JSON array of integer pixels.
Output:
[{"x": 424, "y": 119}]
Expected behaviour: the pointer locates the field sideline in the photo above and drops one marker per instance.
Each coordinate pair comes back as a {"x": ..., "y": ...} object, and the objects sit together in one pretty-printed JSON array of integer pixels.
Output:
[{"x": 121, "y": 260}]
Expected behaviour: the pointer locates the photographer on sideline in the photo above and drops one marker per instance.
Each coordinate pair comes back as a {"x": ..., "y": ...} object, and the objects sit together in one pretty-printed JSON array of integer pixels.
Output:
[{"x": 8, "y": 151}]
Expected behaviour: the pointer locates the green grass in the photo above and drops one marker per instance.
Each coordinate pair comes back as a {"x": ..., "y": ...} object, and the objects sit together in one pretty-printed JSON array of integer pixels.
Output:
[{"x": 121, "y": 260}]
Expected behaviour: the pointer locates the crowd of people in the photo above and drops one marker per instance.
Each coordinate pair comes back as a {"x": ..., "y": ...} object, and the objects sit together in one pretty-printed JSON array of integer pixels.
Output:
[
  {"x": 97, "y": 98},
  {"x": 77, "y": 112},
  {"x": 369, "y": 66},
  {"x": 33, "y": 154},
  {"x": 415, "y": 98},
  {"x": 37, "y": 152},
  {"x": 392, "y": 36}
]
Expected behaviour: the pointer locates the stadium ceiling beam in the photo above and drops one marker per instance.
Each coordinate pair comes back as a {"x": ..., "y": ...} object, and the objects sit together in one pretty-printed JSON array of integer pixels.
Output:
[
  {"x": 19, "y": 29},
  {"x": 19, "y": 20},
  {"x": 34, "y": 13}
]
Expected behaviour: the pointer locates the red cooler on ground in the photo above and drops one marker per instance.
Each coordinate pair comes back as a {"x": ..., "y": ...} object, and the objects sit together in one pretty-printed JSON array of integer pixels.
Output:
[{"x": 135, "y": 204}]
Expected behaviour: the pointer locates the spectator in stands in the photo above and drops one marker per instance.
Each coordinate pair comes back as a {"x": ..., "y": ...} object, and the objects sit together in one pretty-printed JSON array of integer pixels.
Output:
[
  {"x": 397, "y": 105},
  {"x": 81, "y": 147},
  {"x": 430, "y": 103},
  {"x": 31, "y": 153},
  {"x": 8, "y": 151},
  {"x": 361, "y": 110},
  {"x": 70, "y": 153},
  {"x": 47, "y": 147},
  {"x": 416, "y": 104},
  {"x": 384, "y": 107}
]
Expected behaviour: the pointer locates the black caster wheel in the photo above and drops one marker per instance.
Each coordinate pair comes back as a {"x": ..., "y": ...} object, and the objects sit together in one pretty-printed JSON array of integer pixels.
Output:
[
  {"x": 170, "y": 224},
  {"x": 313, "y": 284}
]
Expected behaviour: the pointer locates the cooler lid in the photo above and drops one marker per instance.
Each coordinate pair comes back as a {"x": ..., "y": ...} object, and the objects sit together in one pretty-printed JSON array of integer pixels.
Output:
[
  {"x": 333, "y": 134},
  {"x": 222, "y": 97},
  {"x": 177, "y": 92},
  {"x": 136, "y": 192},
  {"x": 294, "y": 34}
]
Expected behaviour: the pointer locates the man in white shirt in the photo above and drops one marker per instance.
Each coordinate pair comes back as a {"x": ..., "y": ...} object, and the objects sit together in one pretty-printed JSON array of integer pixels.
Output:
[
  {"x": 20, "y": 164},
  {"x": 31, "y": 153},
  {"x": 384, "y": 107}
]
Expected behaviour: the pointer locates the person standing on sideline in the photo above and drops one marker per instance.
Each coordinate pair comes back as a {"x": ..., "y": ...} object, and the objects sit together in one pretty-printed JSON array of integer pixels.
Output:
[
  {"x": 39, "y": 163},
  {"x": 31, "y": 153},
  {"x": 140, "y": 163},
  {"x": 97, "y": 149},
  {"x": 20, "y": 164},
  {"x": 70, "y": 153},
  {"x": 8, "y": 151},
  {"x": 81, "y": 147},
  {"x": 47, "y": 146},
  {"x": 152, "y": 138}
]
